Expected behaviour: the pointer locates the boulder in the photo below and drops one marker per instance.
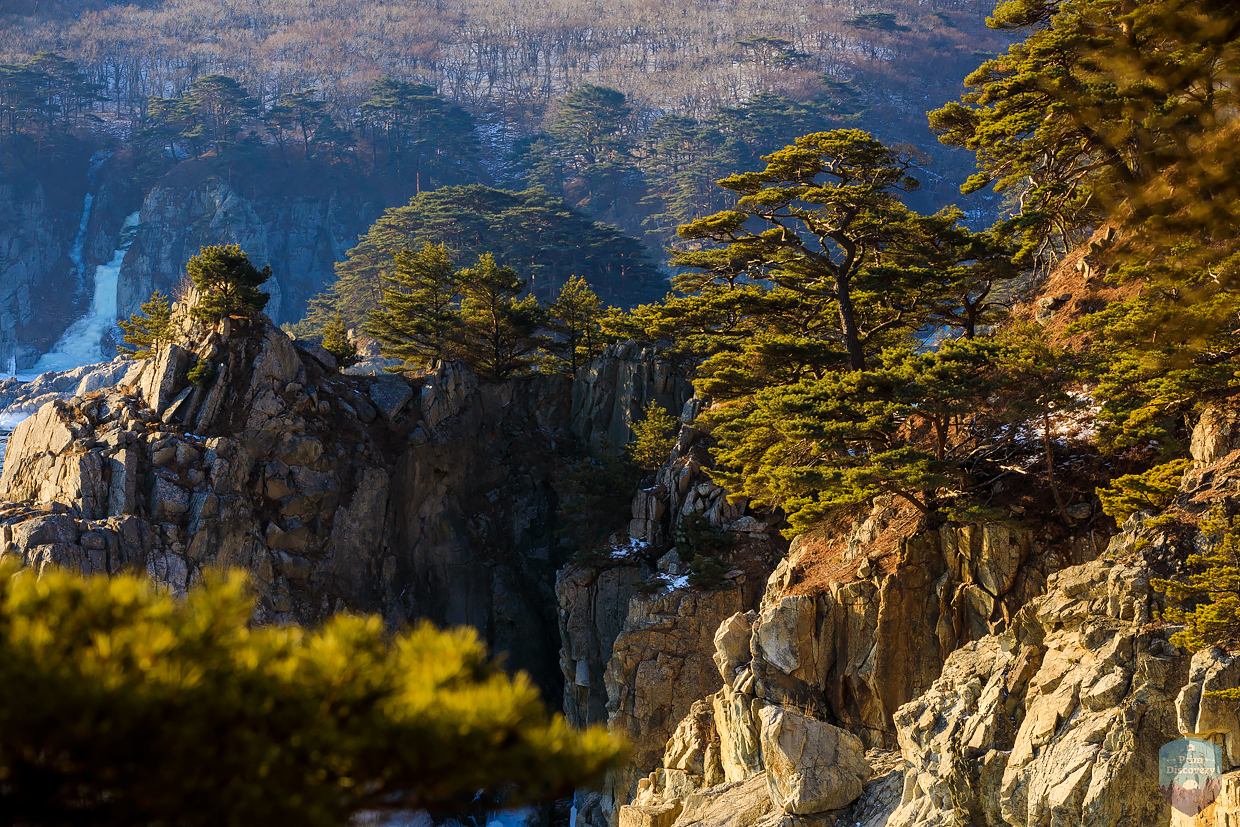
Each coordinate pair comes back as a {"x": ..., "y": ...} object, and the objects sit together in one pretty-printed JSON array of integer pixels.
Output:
[
  {"x": 811, "y": 766},
  {"x": 168, "y": 500},
  {"x": 738, "y": 804},
  {"x": 694, "y": 746},
  {"x": 650, "y": 815},
  {"x": 732, "y": 645},
  {"x": 390, "y": 395},
  {"x": 161, "y": 379}
]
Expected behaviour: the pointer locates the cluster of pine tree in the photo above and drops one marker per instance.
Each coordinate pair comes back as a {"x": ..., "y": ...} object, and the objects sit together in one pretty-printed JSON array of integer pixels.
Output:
[
  {"x": 403, "y": 129},
  {"x": 649, "y": 179},
  {"x": 536, "y": 234},
  {"x": 42, "y": 100},
  {"x": 431, "y": 309}
]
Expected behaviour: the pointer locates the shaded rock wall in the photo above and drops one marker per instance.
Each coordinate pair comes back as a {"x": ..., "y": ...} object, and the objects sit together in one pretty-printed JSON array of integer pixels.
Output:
[
  {"x": 300, "y": 236},
  {"x": 35, "y": 272}
]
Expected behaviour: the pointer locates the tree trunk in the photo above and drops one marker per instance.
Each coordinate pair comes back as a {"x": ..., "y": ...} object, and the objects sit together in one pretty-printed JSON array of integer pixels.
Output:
[
  {"x": 848, "y": 324},
  {"x": 1050, "y": 465}
]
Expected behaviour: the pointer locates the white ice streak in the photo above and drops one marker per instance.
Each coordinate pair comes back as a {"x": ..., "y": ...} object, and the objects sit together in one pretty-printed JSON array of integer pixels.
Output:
[{"x": 81, "y": 343}]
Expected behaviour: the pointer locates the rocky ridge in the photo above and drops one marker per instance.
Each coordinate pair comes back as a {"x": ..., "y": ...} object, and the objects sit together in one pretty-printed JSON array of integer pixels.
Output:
[{"x": 430, "y": 496}]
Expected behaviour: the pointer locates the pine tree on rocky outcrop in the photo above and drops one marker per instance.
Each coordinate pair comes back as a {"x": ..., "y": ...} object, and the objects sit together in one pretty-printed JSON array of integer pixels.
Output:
[
  {"x": 813, "y": 222},
  {"x": 227, "y": 283},
  {"x": 299, "y": 113},
  {"x": 214, "y": 110},
  {"x": 145, "y": 330},
  {"x": 1211, "y": 592},
  {"x": 575, "y": 318},
  {"x": 497, "y": 331},
  {"x": 653, "y": 437},
  {"x": 418, "y": 319},
  {"x": 123, "y": 704}
]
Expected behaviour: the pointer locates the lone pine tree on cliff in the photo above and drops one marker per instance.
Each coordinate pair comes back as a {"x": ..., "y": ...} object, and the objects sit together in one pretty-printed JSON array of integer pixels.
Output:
[{"x": 227, "y": 283}]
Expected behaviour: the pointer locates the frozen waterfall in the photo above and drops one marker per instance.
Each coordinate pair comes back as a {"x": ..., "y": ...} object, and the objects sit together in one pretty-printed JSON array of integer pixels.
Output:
[{"x": 81, "y": 343}]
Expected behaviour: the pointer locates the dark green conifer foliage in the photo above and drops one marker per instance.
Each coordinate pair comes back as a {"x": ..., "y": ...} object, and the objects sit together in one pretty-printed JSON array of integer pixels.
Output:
[
  {"x": 575, "y": 317},
  {"x": 653, "y": 437},
  {"x": 497, "y": 326},
  {"x": 147, "y": 329},
  {"x": 336, "y": 342},
  {"x": 534, "y": 233},
  {"x": 121, "y": 704},
  {"x": 214, "y": 110},
  {"x": 827, "y": 205},
  {"x": 1038, "y": 378},
  {"x": 299, "y": 113},
  {"x": 1209, "y": 597},
  {"x": 417, "y": 319},
  {"x": 227, "y": 283},
  {"x": 1151, "y": 490},
  {"x": 817, "y": 445}
]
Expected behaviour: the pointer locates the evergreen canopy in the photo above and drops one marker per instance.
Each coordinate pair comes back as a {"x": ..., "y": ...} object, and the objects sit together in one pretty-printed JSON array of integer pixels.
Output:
[
  {"x": 537, "y": 235},
  {"x": 121, "y": 704},
  {"x": 227, "y": 282}
]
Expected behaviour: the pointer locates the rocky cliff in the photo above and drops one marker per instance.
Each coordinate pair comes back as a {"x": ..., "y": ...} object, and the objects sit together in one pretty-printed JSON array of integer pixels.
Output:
[
  {"x": 898, "y": 675},
  {"x": 413, "y": 497},
  {"x": 300, "y": 234}
]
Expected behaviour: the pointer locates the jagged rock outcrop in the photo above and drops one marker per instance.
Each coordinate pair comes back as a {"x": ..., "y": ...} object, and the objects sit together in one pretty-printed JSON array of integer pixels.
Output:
[
  {"x": 301, "y": 235},
  {"x": 431, "y": 496},
  {"x": 1057, "y": 720},
  {"x": 859, "y": 625}
]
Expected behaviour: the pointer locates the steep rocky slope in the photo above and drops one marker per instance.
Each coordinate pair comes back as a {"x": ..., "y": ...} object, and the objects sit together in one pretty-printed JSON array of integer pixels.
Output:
[
  {"x": 428, "y": 497},
  {"x": 1022, "y": 685}
]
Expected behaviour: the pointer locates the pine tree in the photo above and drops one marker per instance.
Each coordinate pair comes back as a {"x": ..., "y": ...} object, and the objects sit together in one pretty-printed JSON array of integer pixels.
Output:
[
  {"x": 336, "y": 342},
  {"x": 653, "y": 437},
  {"x": 817, "y": 445},
  {"x": 1152, "y": 490},
  {"x": 147, "y": 329},
  {"x": 1213, "y": 589},
  {"x": 298, "y": 112},
  {"x": 575, "y": 318},
  {"x": 418, "y": 319},
  {"x": 497, "y": 328},
  {"x": 227, "y": 283},
  {"x": 215, "y": 108},
  {"x": 828, "y": 205},
  {"x": 122, "y": 704}
]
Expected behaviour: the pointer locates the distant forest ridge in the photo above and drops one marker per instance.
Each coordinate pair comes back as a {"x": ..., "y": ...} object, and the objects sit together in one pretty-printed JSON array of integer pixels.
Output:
[{"x": 514, "y": 57}]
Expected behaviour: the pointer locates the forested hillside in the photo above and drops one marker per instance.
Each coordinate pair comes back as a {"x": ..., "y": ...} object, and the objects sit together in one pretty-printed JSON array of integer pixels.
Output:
[{"x": 311, "y": 73}]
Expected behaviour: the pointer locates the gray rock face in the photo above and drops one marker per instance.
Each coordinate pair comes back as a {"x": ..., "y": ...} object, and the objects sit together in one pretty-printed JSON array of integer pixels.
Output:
[
  {"x": 286, "y": 469},
  {"x": 1060, "y": 719},
  {"x": 611, "y": 391},
  {"x": 300, "y": 236},
  {"x": 36, "y": 275},
  {"x": 390, "y": 395}
]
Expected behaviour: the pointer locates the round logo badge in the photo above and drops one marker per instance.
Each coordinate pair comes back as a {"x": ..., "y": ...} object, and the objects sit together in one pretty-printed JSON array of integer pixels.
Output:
[{"x": 1188, "y": 774}]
